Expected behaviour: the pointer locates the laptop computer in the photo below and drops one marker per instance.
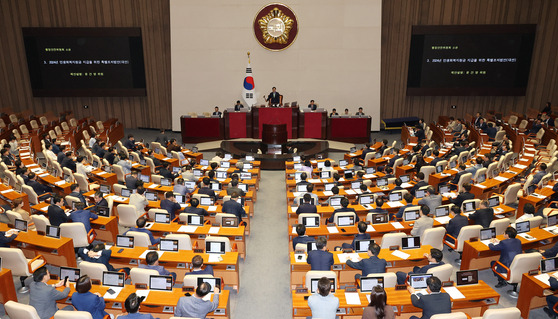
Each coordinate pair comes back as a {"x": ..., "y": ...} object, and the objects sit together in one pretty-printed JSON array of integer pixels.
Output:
[
  {"x": 163, "y": 218},
  {"x": 467, "y": 277},
  {"x": 381, "y": 181},
  {"x": 442, "y": 189},
  {"x": 197, "y": 172},
  {"x": 335, "y": 201},
  {"x": 311, "y": 245},
  {"x": 52, "y": 231},
  {"x": 361, "y": 246},
  {"x": 366, "y": 199},
  {"x": 523, "y": 227},
  {"x": 355, "y": 185},
  {"x": 411, "y": 214},
  {"x": 126, "y": 192},
  {"x": 215, "y": 186},
  {"x": 181, "y": 199},
  {"x": 206, "y": 201},
  {"x": 531, "y": 189},
  {"x": 143, "y": 178},
  {"x": 411, "y": 242},
  {"x": 212, "y": 281},
  {"x": 165, "y": 182},
  {"x": 168, "y": 244},
  {"x": 349, "y": 174},
  {"x": 176, "y": 169},
  {"x": 494, "y": 201},
  {"x": 352, "y": 149},
  {"x": 368, "y": 283},
  {"x": 301, "y": 187},
  {"x": 343, "y": 163},
  {"x": 225, "y": 164},
  {"x": 481, "y": 178},
  {"x": 439, "y": 169},
  {"x": 20, "y": 225},
  {"x": 395, "y": 197},
  {"x": 314, "y": 284},
  {"x": 325, "y": 174},
  {"x": 247, "y": 166},
  {"x": 549, "y": 264},
  {"x": 204, "y": 162},
  {"x": 124, "y": 241},
  {"x": 320, "y": 165},
  {"x": 190, "y": 185},
  {"x": 370, "y": 170},
  {"x": 162, "y": 283},
  {"x": 420, "y": 193},
  {"x": 311, "y": 221},
  {"x": 245, "y": 175},
  {"x": 345, "y": 221},
  {"x": 251, "y": 158},
  {"x": 328, "y": 186},
  {"x": 105, "y": 189},
  {"x": 469, "y": 207},
  {"x": 221, "y": 175},
  {"x": 73, "y": 274},
  {"x": 195, "y": 220},
  {"x": 418, "y": 281},
  {"x": 297, "y": 166},
  {"x": 214, "y": 247},
  {"x": 103, "y": 211},
  {"x": 405, "y": 178},
  {"x": 150, "y": 196},
  {"x": 243, "y": 187},
  {"x": 487, "y": 233},
  {"x": 380, "y": 219},
  {"x": 113, "y": 279},
  {"x": 552, "y": 220},
  {"x": 441, "y": 211}
]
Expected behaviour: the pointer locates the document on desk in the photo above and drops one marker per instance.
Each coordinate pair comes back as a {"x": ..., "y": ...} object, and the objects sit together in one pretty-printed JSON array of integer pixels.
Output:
[
  {"x": 454, "y": 293},
  {"x": 350, "y": 192},
  {"x": 300, "y": 258},
  {"x": 528, "y": 155},
  {"x": 44, "y": 209},
  {"x": 294, "y": 230},
  {"x": 450, "y": 195},
  {"x": 332, "y": 229},
  {"x": 498, "y": 210},
  {"x": 296, "y": 194},
  {"x": 526, "y": 236},
  {"x": 544, "y": 278},
  {"x": 142, "y": 292},
  {"x": 212, "y": 208},
  {"x": 348, "y": 256},
  {"x": 214, "y": 258},
  {"x": 552, "y": 229},
  {"x": 395, "y": 204},
  {"x": 187, "y": 229},
  {"x": 443, "y": 219},
  {"x": 102, "y": 173},
  {"x": 142, "y": 256},
  {"x": 314, "y": 181},
  {"x": 406, "y": 185},
  {"x": 486, "y": 242},
  {"x": 368, "y": 176},
  {"x": 328, "y": 193},
  {"x": 480, "y": 186},
  {"x": 370, "y": 228},
  {"x": 213, "y": 230},
  {"x": 520, "y": 166},
  {"x": 114, "y": 294},
  {"x": 153, "y": 186},
  {"x": 6, "y": 191},
  {"x": 352, "y": 298},
  {"x": 397, "y": 225},
  {"x": 400, "y": 254},
  {"x": 59, "y": 183}
]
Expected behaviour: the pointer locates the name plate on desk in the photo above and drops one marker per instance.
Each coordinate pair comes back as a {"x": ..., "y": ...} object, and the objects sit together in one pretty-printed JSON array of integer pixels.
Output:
[
  {"x": 188, "y": 289},
  {"x": 301, "y": 290}
]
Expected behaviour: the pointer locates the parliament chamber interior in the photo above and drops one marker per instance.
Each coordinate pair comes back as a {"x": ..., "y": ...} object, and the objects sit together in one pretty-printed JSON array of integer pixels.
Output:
[{"x": 250, "y": 159}]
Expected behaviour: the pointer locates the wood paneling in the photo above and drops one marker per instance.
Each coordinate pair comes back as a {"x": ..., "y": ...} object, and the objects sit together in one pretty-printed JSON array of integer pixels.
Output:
[
  {"x": 153, "y": 110},
  {"x": 399, "y": 15}
]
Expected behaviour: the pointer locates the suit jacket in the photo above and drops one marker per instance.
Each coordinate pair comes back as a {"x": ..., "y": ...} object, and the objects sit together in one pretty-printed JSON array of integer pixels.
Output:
[
  {"x": 422, "y": 224},
  {"x": 306, "y": 209},
  {"x": 424, "y": 269},
  {"x": 393, "y": 159},
  {"x": 365, "y": 151},
  {"x": 84, "y": 217},
  {"x": 313, "y": 107},
  {"x": 483, "y": 217},
  {"x": 457, "y": 176},
  {"x": 103, "y": 259},
  {"x": 102, "y": 203},
  {"x": 372, "y": 265},
  {"x": 237, "y": 107},
  {"x": 129, "y": 144},
  {"x": 232, "y": 207},
  {"x": 196, "y": 210},
  {"x": 538, "y": 176},
  {"x": 80, "y": 196},
  {"x": 217, "y": 113},
  {"x": 320, "y": 260},
  {"x": 302, "y": 240},
  {"x": 432, "y": 304},
  {"x": 274, "y": 97},
  {"x": 131, "y": 182},
  {"x": 5, "y": 240},
  {"x": 364, "y": 236},
  {"x": 420, "y": 134},
  {"x": 461, "y": 198},
  {"x": 170, "y": 207},
  {"x": 56, "y": 215},
  {"x": 208, "y": 270},
  {"x": 549, "y": 253},
  {"x": 91, "y": 303},
  {"x": 43, "y": 298},
  {"x": 435, "y": 161},
  {"x": 417, "y": 186},
  {"x": 68, "y": 163},
  {"x": 231, "y": 190},
  {"x": 508, "y": 248},
  {"x": 207, "y": 191},
  {"x": 455, "y": 224},
  {"x": 431, "y": 201},
  {"x": 38, "y": 187}
]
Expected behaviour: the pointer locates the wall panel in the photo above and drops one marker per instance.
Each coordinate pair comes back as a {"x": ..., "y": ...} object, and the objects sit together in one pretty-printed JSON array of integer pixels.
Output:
[
  {"x": 399, "y": 15},
  {"x": 153, "y": 110}
]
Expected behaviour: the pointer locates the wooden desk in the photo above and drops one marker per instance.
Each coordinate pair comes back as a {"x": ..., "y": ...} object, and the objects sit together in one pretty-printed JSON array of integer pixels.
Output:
[
  {"x": 474, "y": 304},
  {"x": 7, "y": 196},
  {"x": 59, "y": 252},
  {"x": 477, "y": 255},
  {"x": 179, "y": 262},
  {"x": 7, "y": 288},
  {"x": 160, "y": 303},
  {"x": 532, "y": 294},
  {"x": 346, "y": 274},
  {"x": 103, "y": 177}
]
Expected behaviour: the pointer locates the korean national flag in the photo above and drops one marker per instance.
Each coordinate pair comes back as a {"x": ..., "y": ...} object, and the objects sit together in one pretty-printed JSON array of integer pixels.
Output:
[{"x": 248, "y": 88}]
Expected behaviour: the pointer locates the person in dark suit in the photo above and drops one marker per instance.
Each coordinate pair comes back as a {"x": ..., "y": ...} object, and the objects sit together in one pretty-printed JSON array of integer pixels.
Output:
[
  {"x": 535, "y": 128},
  {"x": 394, "y": 158},
  {"x": 333, "y": 112},
  {"x": 379, "y": 203},
  {"x": 306, "y": 207},
  {"x": 320, "y": 259},
  {"x": 76, "y": 192},
  {"x": 436, "y": 159},
  {"x": 7, "y": 236},
  {"x": 130, "y": 143},
  {"x": 39, "y": 188},
  {"x": 100, "y": 201},
  {"x": 551, "y": 300},
  {"x": 362, "y": 235},
  {"x": 463, "y": 196},
  {"x": 131, "y": 180},
  {"x": 481, "y": 124},
  {"x": 217, "y": 112},
  {"x": 360, "y": 112},
  {"x": 166, "y": 173},
  {"x": 491, "y": 131},
  {"x": 484, "y": 215},
  {"x": 477, "y": 119},
  {"x": 204, "y": 189},
  {"x": 540, "y": 174},
  {"x": 343, "y": 209},
  {"x": 60, "y": 157},
  {"x": 140, "y": 227},
  {"x": 233, "y": 207},
  {"x": 56, "y": 214},
  {"x": 434, "y": 303},
  {"x": 549, "y": 253},
  {"x": 170, "y": 205},
  {"x": 83, "y": 216},
  {"x": 509, "y": 248},
  {"x": 419, "y": 133},
  {"x": 43, "y": 296},
  {"x": 434, "y": 259},
  {"x": 234, "y": 188},
  {"x": 303, "y": 180},
  {"x": 274, "y": 98},
  {"x": 98, "y": 254},
  {"x": 365, "y": 151},
  {"x": 302, "y": 238},
  {"x": 68, "y": 162},
  {"x": 238, "y": 106},
  {"x": 197, "y": 267},
  {"x": 398, "y": 184},
  {"x": 409, "y": 200},
  {"x": 84, "y": 300},
  {"x": 383, "y": 147},
  {"x": 372, "y": 265},
  {"x": 312, "y": 106},
  {"x": 194, "y": 209},
  {"x": 110, "y": 155},
  {"x": 457, "y": 176},
  {"x": 456, "y": 223},
  {"x": 420, "y": 183}
]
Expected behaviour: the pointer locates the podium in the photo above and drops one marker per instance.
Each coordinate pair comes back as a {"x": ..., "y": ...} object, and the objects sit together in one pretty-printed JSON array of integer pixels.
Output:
[
  {"x": 275, "y": 115},
  {"x": 312, "y": 124},
  {"x": 274, "y": 134},
  {"x": 237, "y": 124}
]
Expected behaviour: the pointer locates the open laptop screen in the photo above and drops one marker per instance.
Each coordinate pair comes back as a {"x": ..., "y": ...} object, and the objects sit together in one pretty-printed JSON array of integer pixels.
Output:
[
  {"x": 419, "y": 281},
  {"x": 20, "y": 224},
  {"x": 336, "y": 201},
  {"x": 410, "y": 242},
  {"x": 368, "y": 283},
  {"x": 411, "y": 215},
  {"x": 160, "y": 283},
  {"x": 361, "y": 246},
  {"x": 493, "y": 201},
  {"x": 487, "y": 233},
  {"x": 151, "y": 196},
  {"x": 523, "y": 227},
  {"x": 467, "y": 277},
  {"x": 442, "y": 211},
  {"x": 366, "y": 199},
  {"x": 168, "y": 244},
  {"x": 345, "y": 221},
  {"x": 73, "y": 274},
  {"x": 314, "y": 284},
  {"x": 195, "y": 220},
  {"x": 215, "y": 247},
  {"x": 212, "y": 281},
  {"x": 124, "y": 241},
  {"x": 53, "y": 231},
  {"x": 380, "y": 219},
  {"x": 311, "y": 221},
  {"x": 113, "y": 279},
  {"x": 549, "y": 264},
  {"x": 163, "y": 218}
]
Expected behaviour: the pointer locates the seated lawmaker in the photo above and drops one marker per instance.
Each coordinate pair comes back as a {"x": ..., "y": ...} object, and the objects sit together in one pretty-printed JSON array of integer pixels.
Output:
[
  {"x": 360, "y": 112},
  {"x": 551, "y": 300},
  {"x": 509, "y": 248},
  {"x": 409, "y": 203},
  {"x": 56, "y": 215},
  {"x": 456, "y": 223},
  {"x": 140, "y": 227},
  {"x": 431, "y": 199},
  {"x": 138, "y": 200},
  {"x": 463, "y": 196},
  {"x": 43, "y": 296},
  {"x": 39, "y": 188},
  {"x": 420, "y": 183},
  {"x": 170, "y": 204},
  {"x": 238, "y": 106},
  {"x": 302, "y": 238},
  {"x": 372, "y": 265},
  {"x": 7, "y": 236},
  {"x": 98, "y": 254},
  {"x": 435, "y": 302},
  {"x": 323, "y": 304},
  {"x": 194, "y": 209},
  {"x": 197, "y": 264},
  {"x": 195, "y": 306},
  {"x": 84, "y": 300},
  {"x": 434, "y": 259},
  {"x": 132, "y": 305},
  {"x": 233, "y": 207},
  {"x": 344, "y": 209},
  {"x": 80, "y": 215},
  {"x": 152, "y": 260},
  {"x": 423, "y": 223},
  {"x": 306, "y": 207},
  {"x": 205, "y": 190},
  {"x": 484, "y": 215},
  {"x": 312, "y": 106},
  {"x": 320, "y": 259},
  {"x": 216, "y": 112},
  {"x": 333, "y": 113},
  {"x": 362, "y": 235},
  {"x": 274, "y": 98}
]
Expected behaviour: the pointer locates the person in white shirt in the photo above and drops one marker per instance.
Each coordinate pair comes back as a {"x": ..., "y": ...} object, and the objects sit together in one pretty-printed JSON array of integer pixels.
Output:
[
  {"x": 323, "y": 304},
  {"x": 528, "y": 212},
  {"x": 218, "y": 157},
  {"x": 327, "y": 166},
  {"x": 92, "y": 141},
  {"x": 138, "y": 200},
  {"x": 50, "y": 153},
  {"x": 81, "y": 168}
]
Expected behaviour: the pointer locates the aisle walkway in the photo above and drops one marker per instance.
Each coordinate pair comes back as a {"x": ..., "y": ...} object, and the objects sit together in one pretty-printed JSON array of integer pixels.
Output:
[{"x": 265, "y": 272}]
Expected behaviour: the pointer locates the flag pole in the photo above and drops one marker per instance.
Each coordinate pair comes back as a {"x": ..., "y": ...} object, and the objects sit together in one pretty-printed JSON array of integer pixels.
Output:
[{"x": 248, "y": 56}]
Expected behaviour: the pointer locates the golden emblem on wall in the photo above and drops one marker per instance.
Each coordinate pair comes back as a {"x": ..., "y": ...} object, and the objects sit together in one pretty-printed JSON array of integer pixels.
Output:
[{"x": 275, "y": 27}]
